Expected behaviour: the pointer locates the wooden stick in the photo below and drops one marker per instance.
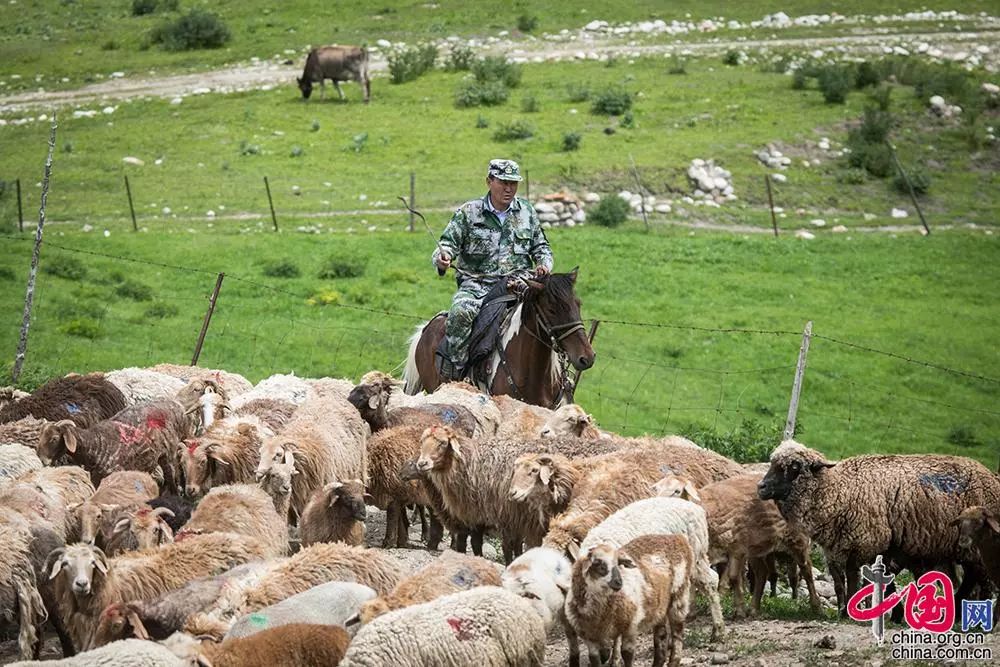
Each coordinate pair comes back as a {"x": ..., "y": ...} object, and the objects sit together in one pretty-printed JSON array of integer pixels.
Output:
[
  {"x": 131, "y": 208},
  {"x": 800, "y": 370},
  {"x": 20, "y": 211},
  {"x": 909, "y": 186},
  {"x": 270, "y": 203},
  {"x": 642, "y": 198},
  {"x": 208, "y": 319},
  {"x": 29, "y": 296},
  {"x": 770, "y": 201}
]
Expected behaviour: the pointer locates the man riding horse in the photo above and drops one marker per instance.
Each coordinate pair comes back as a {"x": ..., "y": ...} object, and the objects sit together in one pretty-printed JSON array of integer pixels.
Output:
[{"x": 487, "y": 239}]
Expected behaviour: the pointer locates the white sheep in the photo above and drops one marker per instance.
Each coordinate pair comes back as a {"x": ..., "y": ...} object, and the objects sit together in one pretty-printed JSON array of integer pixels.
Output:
[
  {"x": 15, "y": 460},
  {"x": 665, "y": 516},
  {"x": 543, "y": 577},
  {"x": 485, "y": 627},
  {"x": 285, "y": 387},
  {"x": 127, "y": 653},
  {"x": 327, "y": 604},
  {"x": 139, "y": 385}
]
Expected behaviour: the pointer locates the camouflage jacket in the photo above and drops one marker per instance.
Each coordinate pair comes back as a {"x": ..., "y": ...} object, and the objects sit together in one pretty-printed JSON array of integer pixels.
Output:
[{"x": 479, "y": 243}]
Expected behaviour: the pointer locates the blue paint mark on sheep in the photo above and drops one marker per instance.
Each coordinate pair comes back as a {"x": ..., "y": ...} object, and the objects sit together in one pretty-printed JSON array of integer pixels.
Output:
[
  {"x": 139, "y": 486},
  {"x": 464, "y": 578},
  {"x": 449, "y": 416},
  {"x": 944, "y": 482},
  {"x": 259, "y": 620},
  {"x": 73, "y": 408}
]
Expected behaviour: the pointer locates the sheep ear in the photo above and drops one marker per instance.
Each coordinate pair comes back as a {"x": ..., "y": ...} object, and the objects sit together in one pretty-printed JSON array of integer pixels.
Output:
[
  {"x": 212, "y": 451},
  {"x": 545, "y": 475},
  {"x": 373, "y": 402},
  {"x": 69, "y": 435},
  {"x": 353, "y": 620},
  {"x": 101, "y": 561},
  {"x": 992, "y": 522},
  {"x": 138, "y": 629},
  {"x": 692, "y": 493},
  {"x": 121, "y": 526},
  {"x": 625, "y": 561},
  {"x": 55, "y": 558},
  {"x": 202, "y": 661},
  {"x": 954, "y": 522},
  {"x": 819, "y": 466},
  {"x": 290, "y": 460},
  {"x": 72, "y": 507},
  {"x": 456, "y": 447}
]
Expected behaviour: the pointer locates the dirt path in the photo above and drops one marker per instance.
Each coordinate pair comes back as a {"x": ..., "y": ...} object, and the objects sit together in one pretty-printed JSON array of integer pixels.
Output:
[{"x": 262, "y": 74}]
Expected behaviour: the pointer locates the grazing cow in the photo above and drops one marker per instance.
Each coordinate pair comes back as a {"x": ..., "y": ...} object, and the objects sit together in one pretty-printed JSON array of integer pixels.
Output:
[{"x": 338, "y": 63}]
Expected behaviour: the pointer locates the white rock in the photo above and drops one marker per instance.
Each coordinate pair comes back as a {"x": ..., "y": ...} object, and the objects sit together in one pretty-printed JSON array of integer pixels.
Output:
[
  {"x": 818, "y": 223},
  {"x": 869, "y": 217},
  {"x": 177, "y": 100},
  {"x": 780, "y": 178},
  {"x": 117, "y": 75},
  {"x": 209, "y": 214},
  {"x": 720, "y": 183},
  {"x": 133, "y": 160},
  {"x": 804, "y": 234},
  {"x": 592, "y": 198},
  {"x": 991, "y": 88},
  {"x": 544, "y": 207},
  {"x": 87, "y": 228},
  {"x": 105, "y": 110},
  {"x": 900, "y": 213},
  {"x": 662, "y": 208},
  {"x": 166, "y": 210},
  {"x": 580, "y": 216},
  {"x": 107, "y": 233},
  {"x": 838, "y": 229},
  {"x": 937, "y": 102},
  {"x": 625, "y": 194}
]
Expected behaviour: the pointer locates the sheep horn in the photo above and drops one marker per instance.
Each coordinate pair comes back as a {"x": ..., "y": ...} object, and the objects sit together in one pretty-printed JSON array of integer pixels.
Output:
[{"x": 163, "y": 511}]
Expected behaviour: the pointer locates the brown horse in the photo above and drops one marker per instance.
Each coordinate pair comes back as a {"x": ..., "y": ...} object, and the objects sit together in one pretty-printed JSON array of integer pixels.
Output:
[{"x": 545, "y": 324}]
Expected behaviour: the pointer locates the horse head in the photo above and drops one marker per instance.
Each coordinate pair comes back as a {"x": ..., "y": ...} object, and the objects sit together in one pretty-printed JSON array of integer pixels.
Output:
[{"x": 556, "y": 308}]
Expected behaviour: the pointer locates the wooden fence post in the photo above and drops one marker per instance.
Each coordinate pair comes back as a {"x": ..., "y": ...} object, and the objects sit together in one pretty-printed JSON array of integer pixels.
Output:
[
  {"x": 909, "y": 186},
  {"x": 593, "y": 332},
  {"x": 20, "y": 211},
  {"x": 638, "y": 185},
  {"x": 800, "y": 369},
  {"x": 208, "y": 319},
  {"x": 270, "y": 202},
  {"x": 770, "y": 202},
  {"x": 29, "y": 296},
  {"x": 131, "y": 208}
]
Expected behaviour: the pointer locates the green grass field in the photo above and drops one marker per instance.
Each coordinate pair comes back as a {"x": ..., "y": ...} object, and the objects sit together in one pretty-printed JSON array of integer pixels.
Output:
[
  {"x": 923, "y": 298},
  {"x": 700, "y": 330}
]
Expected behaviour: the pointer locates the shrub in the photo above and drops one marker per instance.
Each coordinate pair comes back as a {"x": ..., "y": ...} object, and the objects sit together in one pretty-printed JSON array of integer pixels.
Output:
[
  {"x": 133, "y": 290},
  {"x": 482, "y": 123},
  {"x": 526, "y": 23},
  {"x": 473, "y": 94},
  {"x": 460, "y": 58},
  {"x": 731, "y": 58},
  {"x": 411, "y": 62},
  {"x": 246, "y": 148},
  {"x": 951, "y": 84},
  {"x": 282, "y": 269},
  {"x": 611, "y": 211},
  {"x": 341, "y": 267},
  {"x": 919, "y": 179},
  {"x": 882, "y": 97},
  {"x": 529, "y": 104},
  {"x": 866, "y": 75},
  {"x": 875, "y": 126},
  {"x": 144, "y": 7},
  {"x": 160, "y": 311},
  {"x": 577, "y": 92},
  {"x": 678, "y": 65},
  {"x": 4, "y": 186},
  {"x": 513, "y": 131},
  {"x": 198, "y": 29},
  {"x": 799, "y": 79},
  {"x": 296, "y": 151},
  {"x": 324, "y": 297},
  {"x": 963, "y": 436},
  {"x": 358, "y": 142},
  {"x": 750, "y": 442},
  {"x": 612, "y": 102},
  {"x": 852, "y": 176},
  {"x": 7, "y": 273},
  {"x": 497, "y": 68},
  {"x": 876, "y": 159},
  {"x": 835, "y": 82},
  {"x": 628, "y": 120},
  {"x": 84, "y": 327},
  {"x": 69, "y": 268},
  {"x": 571, "y": 141}
]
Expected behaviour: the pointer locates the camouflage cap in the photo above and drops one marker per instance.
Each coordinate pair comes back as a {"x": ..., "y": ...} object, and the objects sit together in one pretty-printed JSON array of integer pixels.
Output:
[{"x": 505, "y": 170}]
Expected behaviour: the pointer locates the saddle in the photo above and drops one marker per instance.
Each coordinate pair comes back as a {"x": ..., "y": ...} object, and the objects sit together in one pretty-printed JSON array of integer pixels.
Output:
[{"x": 490, "y": 325}]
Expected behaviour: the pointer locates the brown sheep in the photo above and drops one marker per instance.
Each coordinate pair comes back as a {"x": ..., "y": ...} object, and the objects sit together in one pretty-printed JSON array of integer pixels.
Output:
[
  {"x": 979, "y": 529},
  {"x": 474, "y": 480},
  {"x": 62, "y": 486},
  {"x": 327, "y": 437},
  {"x": 139, "y": 528},
  {"x": 227, "y": 453},
  {"x": 448, "y": 573},
  {"x": 518, "y": 418},
  {"x": 241, "y": 509},
  {"x": 143, "y": 437},
  {"x": 85, "y": 581},
  {"x": 371, "y": 399},
  {"x": 640, "y": 587},
  {"x": 19, "y": 589},
  {"x": 570, "y": 419},
  {"x": 605, "y": 484},
  {"x": 318, "y": 564},
  {"x": 125, "y": 487},
  {"x": 233, "y": 383},
  {"x": 82, "y": 399},
  {"x": 25, "y": 431},
  {"x": 291, "y": 645},
  {"x": 335, "y": 513},
  {"x": 744, "y": 529},
  {"x": 277, "y": 483}
]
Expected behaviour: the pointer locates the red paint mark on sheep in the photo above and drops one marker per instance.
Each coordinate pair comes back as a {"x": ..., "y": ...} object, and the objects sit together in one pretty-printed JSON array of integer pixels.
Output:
[
  {"x": 191, "y": 446},
  {"x": 462, "y": 627},
  {"x": 128, "y": 434},
  {"x": 156, "y": 422}
]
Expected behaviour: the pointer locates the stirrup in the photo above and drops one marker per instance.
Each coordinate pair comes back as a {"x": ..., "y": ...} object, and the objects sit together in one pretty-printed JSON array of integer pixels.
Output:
[{"x": 448, "y": 370}]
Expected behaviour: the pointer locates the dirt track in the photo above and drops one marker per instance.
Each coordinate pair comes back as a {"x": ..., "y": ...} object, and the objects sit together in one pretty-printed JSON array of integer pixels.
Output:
[{"x": 268, "y": 73}]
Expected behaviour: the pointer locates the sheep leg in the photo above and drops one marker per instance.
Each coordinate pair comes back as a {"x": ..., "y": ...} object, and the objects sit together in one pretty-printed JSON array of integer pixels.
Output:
[
  {"x": 839, "y": 587},
  {"x": 794, "y": 570},
  {"x": 708, "y": 581},
  {"x": 460, "y": 541},
  {"x": 477, "y": 534},
  {"x": 574, "y": 643},
  {"x": 772, "y": 575},
  {"x": 424, "y": 526},
  {"x": 804, "y": 566},
  {"x": 435, "y": 532},
  {"x": 628, "y": 650},
  {"x": 660, "y": 640},
  {"x": 403, "y": 532},
  {"x": 508, "y": 545},
  {"x": 676, "y": 613},
  {"x": 391, "y": 525},
  {"x": 761, "y": 569}
]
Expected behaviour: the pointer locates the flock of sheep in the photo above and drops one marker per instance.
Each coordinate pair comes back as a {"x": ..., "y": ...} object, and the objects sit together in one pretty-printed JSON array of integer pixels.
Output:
[{"x": 182, "y": 516}]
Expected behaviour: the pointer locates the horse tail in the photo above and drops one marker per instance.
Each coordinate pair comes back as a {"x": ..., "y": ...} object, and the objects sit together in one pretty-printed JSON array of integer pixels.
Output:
[{"x": 411, "y": 376}]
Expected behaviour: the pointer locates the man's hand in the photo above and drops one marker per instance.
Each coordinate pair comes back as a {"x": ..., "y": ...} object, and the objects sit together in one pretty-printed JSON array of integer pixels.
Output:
[
  {"x": 541, "y": 271},
  {"x": 443, "y": 262}
]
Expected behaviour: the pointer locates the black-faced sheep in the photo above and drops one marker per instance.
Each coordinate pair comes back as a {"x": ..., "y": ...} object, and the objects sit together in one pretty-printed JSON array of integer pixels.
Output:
[
  {"x": 335, "y": 513},
  {"x": 979, "y": 529},
  {"x": 899, "y": 506},
  {"x": 624, "y": 591},
  {"x": 82, "y": 399}
]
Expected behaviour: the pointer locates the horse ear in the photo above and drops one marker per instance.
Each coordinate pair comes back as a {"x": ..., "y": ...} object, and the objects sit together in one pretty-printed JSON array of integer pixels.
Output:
[
  {"x": 534, "y": 285},
  {"x": 572, "y": 274}
]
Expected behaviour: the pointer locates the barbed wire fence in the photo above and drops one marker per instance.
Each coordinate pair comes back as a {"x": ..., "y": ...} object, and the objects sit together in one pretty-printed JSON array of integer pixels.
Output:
[{"x": 631, "y": 390}]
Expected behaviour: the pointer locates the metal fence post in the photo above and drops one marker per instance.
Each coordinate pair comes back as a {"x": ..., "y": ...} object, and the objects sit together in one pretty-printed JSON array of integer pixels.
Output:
[
  {"x": 208, "y": 319},
  {"x": 800, "y": 369}
]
